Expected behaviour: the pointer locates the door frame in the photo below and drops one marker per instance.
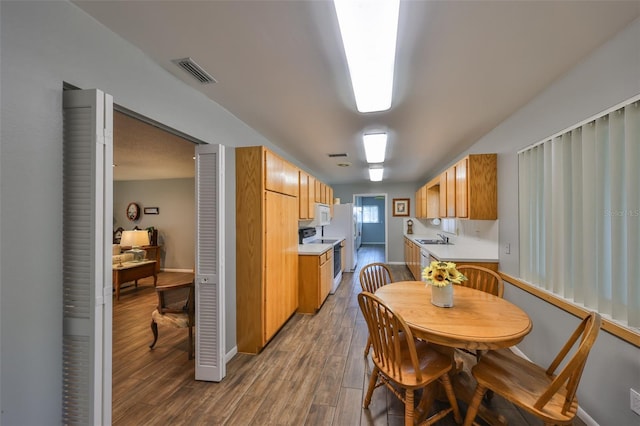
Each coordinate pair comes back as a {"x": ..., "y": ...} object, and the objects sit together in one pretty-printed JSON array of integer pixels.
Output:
[{"x": 386, "y": 217}]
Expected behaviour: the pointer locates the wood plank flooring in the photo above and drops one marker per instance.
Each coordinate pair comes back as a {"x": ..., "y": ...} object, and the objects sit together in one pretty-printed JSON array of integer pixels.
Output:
[{"x": 312, "y": 373}]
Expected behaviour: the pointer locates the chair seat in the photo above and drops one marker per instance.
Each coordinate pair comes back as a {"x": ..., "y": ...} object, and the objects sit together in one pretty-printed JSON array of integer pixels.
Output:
[
  {"x": 175, "y": 320},
  {"x": 432, "y": 364},
  {"x": 521, "y": 381}
]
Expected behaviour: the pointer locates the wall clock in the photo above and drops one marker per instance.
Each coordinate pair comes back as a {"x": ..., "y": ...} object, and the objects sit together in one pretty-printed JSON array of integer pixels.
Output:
[{"x": 133, "y": 211}]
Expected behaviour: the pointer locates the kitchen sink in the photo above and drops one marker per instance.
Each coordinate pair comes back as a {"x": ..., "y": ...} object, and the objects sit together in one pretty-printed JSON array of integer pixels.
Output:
[{"x": 433, "y": 241}]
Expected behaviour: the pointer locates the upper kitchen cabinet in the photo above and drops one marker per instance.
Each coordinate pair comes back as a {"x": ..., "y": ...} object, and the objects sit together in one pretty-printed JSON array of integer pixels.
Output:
[
  {"x": 466, "y": 190},
  {"x": 428, "y": 200},
  {"x": 476, "y": 183},
  {"x": 280, "y": 176},
  {"x": 421, "y": 202},
  {"x": 305, "y": 202},
  {"x": 311, "y": 191},
  {"x": 266, "y": 246}
]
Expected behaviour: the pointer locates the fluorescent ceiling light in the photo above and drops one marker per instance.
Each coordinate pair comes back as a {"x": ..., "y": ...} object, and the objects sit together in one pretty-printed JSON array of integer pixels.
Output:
[
  {"x": 375, "y": 145},
  {"x": 375, "y": 173},
  {"x": 369, "y": 31}
]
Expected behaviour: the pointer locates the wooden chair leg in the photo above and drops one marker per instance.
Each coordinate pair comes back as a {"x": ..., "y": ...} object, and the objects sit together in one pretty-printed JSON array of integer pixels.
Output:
[
  {"x": 408, "y": 407},
  {"x": 154, "y": 329},
  {"x": 448, "y": 388},
  {"x": 372, "y": 385},
  {"x": 474, "y": 405}
]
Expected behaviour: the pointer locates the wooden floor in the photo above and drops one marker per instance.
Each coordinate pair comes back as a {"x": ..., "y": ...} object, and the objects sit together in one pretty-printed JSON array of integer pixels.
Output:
[{"x": 313, "y": 372}]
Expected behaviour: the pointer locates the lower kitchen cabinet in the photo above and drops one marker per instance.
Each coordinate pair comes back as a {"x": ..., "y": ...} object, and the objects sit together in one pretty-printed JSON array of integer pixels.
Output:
[
  {"x": 315, "y": 277},
  {"x": 412, "y": 258}
]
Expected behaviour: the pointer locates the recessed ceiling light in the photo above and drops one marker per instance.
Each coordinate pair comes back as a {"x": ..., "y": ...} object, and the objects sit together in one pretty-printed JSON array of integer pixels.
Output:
[
  {"x": 344, "y": 164},
  {"x": 375, "y": 173},
  {"x": 369, "y": 30},
  {"x": 375, "y": 145}
]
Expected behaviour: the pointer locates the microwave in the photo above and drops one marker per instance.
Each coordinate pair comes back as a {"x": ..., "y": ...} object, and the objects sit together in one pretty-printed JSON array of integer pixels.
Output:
[{"x": 322, "y": 215}]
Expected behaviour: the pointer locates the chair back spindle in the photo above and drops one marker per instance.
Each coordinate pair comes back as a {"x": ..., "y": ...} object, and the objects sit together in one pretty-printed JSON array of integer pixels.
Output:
[
  {"x": 375, "y": 275},
  {"x": 483, "y": 279}
]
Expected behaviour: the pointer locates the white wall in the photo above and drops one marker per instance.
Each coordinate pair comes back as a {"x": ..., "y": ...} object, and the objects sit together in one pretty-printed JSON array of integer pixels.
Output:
[
  {"x": 43, "y": 44},
  {"x": 395, "y": 232},
  {"x": 607, "y": 77},
  {"x": 176, "y": 222}
]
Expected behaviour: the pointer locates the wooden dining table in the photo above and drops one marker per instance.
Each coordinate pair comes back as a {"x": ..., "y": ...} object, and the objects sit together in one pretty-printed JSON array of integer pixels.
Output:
[{"x": 477, "y": 320}]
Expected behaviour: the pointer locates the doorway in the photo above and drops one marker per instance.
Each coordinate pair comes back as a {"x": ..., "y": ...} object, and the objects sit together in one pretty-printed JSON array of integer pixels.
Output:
[{"x": 372, "y": 223}]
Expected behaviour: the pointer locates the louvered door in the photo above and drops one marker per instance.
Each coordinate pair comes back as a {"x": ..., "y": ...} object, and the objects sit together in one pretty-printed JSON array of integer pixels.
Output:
[
  {"x": 87, "y": 287},
  {"x": 210, "y": 335}
]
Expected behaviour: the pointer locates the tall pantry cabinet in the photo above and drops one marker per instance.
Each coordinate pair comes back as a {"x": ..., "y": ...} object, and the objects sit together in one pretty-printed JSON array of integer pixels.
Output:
[{"x": 266, "y": 245}]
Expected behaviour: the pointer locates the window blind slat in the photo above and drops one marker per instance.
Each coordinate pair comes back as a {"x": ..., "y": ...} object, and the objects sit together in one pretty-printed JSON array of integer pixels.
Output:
[{"x": 579, "y": 212}]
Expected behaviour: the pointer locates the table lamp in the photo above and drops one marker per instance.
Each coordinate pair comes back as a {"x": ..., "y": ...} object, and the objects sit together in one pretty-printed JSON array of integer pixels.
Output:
[{"x": 135, "y": 239}]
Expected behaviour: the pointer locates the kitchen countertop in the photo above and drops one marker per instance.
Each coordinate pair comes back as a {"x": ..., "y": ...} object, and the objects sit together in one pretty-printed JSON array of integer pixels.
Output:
[
  {"x": 316, "y": 249},
  {"x": 462, "y": 249}
]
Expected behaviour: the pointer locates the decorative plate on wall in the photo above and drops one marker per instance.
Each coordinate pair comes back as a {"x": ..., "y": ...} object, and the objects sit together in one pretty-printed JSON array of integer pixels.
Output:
[{"x": 133, "y": 211}]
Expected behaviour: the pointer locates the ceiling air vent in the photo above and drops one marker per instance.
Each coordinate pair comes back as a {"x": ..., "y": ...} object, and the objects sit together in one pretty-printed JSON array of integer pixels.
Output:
[
  {"x": 343, "y": 155},
  {"x": 190, "y": 66}
]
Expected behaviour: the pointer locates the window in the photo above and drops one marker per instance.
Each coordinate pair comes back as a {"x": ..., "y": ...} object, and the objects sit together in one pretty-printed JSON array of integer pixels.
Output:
[
  {"x": 579, "y": 214},
  {"x": 370, "y": 214}
]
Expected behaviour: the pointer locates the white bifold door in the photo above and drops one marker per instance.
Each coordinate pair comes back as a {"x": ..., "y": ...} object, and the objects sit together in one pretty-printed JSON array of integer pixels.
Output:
[
  {"x": 210, "y": 256},
  {"x": 87, "y": 275},
  {"x": 87, "y": 223}
]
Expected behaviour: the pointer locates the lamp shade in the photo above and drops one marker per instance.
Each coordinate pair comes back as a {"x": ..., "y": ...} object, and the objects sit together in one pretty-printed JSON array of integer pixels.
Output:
[{"x": 134, "y": 238}]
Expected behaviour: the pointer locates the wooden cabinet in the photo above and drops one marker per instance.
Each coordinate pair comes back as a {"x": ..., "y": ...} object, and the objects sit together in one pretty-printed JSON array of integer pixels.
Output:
[
  {"x": 433, "y": 198},
  {"x": 315, "y": 279},
  {"x": 266, "y": 245},
  {"x": 421, "y": 202},
  {"x": 306, "y": 196},
  {"x": 280, "y": 175},
  {"x": 462, "y": 199},
  {"x": 447, "y": 205},
  {"x": 311, "y": 191},
  {"x": 412, "y": 258},
  {"x": 477, "y": 187},
  {"x": 467, "y": 190}
]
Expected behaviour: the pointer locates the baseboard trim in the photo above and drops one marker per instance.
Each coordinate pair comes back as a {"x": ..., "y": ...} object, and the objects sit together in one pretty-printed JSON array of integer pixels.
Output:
[
  {"x": 176, "y": 270},
  {"x": 229, "y": 355},
  {"x": 584, "y": 416}
]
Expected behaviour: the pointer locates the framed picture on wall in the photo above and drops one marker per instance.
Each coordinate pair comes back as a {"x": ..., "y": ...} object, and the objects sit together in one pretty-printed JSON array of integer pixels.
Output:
[{"x": 401, "y": 207}]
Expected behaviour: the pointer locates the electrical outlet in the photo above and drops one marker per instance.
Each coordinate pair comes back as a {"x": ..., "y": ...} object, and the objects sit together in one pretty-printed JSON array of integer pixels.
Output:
[
  {"x": 635, "y": 401},
  {"x": 507, "y": 248}
]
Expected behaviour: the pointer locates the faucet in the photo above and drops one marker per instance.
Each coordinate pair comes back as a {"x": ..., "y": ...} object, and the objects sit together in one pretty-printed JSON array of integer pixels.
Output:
[{"x": 445, "y": 240}]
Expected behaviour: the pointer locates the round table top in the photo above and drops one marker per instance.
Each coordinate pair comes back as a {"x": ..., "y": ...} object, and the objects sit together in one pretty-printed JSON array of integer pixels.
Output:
[{"x": 477, "y": 320}]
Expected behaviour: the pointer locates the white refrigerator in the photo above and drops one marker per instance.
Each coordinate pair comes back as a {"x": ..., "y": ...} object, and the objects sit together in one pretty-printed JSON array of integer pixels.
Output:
[{"x": 345, "y": 224}]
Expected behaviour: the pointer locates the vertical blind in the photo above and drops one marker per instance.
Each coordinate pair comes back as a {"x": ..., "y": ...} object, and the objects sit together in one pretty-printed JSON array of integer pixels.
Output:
[{"x": 579, "y": 214}]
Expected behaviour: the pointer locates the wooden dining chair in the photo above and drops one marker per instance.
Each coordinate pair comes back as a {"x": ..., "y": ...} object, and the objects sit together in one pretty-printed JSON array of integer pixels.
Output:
[
  {"x": 402, "y": 363},
  {"x": 549, "y": 396},
  {"x": 481, "y": 278},
  {"x": 372, "y": 277},
  {"x": 176, "y": 308}
]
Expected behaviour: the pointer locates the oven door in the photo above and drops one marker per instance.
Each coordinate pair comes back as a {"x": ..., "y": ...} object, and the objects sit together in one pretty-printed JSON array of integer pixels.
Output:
[{"x": 337, "y": 260}]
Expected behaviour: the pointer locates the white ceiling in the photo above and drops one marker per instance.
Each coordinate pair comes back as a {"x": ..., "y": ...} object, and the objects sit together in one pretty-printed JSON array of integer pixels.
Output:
[{"x": 462, "y": 67}]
